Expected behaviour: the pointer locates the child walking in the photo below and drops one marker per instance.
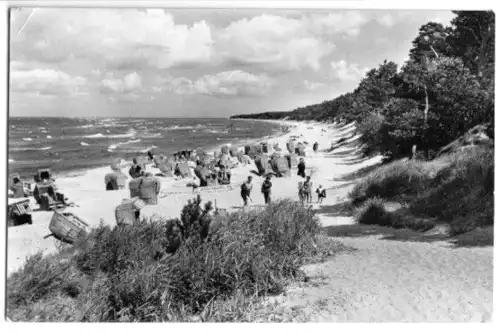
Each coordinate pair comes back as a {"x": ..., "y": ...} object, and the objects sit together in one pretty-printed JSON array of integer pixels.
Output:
[{"x": 321, "y": 194}]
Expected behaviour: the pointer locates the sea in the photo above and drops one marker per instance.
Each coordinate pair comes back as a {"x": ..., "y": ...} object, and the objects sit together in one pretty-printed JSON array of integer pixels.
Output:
[{"x": 67, "y": 145}]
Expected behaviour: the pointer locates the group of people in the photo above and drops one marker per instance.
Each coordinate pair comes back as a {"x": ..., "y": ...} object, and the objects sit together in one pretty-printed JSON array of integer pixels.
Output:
[{"x": 247, "y": 186}]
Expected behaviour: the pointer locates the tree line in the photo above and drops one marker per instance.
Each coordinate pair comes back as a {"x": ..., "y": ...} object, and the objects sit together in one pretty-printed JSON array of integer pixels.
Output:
[{"x": 444, "y": 89}]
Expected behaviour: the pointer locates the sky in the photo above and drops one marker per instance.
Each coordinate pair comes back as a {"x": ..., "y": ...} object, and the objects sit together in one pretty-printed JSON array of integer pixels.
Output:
[{"x": 196, "y": 62}]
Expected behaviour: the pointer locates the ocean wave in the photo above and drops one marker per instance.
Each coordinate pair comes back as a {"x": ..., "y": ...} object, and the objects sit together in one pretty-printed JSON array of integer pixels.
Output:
[
  {"x": 150, "y": 148},
  {"x": 98, "y": 135},
  {"x": 84, "y": 144},
  {"x": 11, "y": 161},
  {"x": 27, "y": 139},
  {"x": 113, "y": 147},
  {"x": 150, "y": 135},
  {"x": 48, "y": 136},
  {"x": 121, "y": 135},
  {"x": 176, "y": 127},
  {"x": 30, "y": 149}
]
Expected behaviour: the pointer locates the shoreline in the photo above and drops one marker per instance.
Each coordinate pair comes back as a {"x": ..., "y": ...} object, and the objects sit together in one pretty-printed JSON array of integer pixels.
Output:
[{"x": 72, "y": 173}]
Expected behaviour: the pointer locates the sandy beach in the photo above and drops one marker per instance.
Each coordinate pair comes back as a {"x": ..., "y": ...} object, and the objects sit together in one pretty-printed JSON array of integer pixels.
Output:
[{"x": 381, "y": 280}]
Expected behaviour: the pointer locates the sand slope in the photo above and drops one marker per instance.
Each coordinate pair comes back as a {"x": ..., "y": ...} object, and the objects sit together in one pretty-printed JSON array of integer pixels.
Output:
[{"x": 385, "y": 278}]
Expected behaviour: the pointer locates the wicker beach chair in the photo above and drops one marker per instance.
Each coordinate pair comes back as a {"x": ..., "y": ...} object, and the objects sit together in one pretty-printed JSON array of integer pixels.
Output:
[
  {"x": 129, "y": 210},
  {"x": 149, "y": 188}
]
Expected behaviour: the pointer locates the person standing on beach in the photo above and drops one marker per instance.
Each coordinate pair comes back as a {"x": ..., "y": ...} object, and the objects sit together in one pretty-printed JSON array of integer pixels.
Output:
[
  {"x": 321, "y": 194},
  {"x": 315, "y": 147},
  {"x": 246, "y": 189},
  {"x": 266, "y": 189},
  {"x": 301, "y": 168},
  {"x": 308, "y": 189},
  {"x": 301, "y": 192}
]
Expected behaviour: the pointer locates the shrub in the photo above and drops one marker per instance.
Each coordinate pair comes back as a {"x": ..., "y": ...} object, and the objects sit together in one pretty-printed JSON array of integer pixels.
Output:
[
  {"x": 397, "y": 180},
  {"x": 373, "y": 212},
  {"x": 461, "y": 193},
  {"x": 129, "y": 274}
]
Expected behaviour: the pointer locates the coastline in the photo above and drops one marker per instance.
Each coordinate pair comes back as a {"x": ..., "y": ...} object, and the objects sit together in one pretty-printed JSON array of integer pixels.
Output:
[{"x": 94, "y": 204}]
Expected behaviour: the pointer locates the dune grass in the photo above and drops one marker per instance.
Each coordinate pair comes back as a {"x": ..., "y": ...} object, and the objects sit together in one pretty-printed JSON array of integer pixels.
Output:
[
  {"x": 142, "y": 272},
  {"x": 456, "y": 189}
]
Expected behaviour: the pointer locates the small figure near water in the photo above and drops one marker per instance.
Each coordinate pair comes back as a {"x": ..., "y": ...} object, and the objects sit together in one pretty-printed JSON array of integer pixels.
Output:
[
  {"x": 315, "y": 147},
  {"x": 266, "y": 189}
]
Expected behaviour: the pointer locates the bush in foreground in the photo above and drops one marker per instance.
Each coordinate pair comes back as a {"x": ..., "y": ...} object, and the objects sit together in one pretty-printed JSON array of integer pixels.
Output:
[{"x": 126, "y": 273}]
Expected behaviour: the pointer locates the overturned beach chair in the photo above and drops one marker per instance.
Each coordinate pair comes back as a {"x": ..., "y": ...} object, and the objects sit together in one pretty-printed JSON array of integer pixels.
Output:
[{"x": 68, "y": 227}]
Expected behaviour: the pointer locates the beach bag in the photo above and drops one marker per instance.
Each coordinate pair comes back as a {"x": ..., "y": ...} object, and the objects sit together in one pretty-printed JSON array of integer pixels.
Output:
[
  {"x": 67, "y": 227},
  {"x": 149, "y": 188},
  {"x": 134, "y": 187},
  {"x": 128, "y": 212}
]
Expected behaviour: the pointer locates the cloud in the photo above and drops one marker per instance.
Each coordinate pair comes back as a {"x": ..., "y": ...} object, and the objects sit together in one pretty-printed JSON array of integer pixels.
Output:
[
  {"x": 343, "y": 71},
  {"x": 117, "y": 37},
  {"x": 47, "y": 82},
  {"x": 223, "y": 84},
  {"x": 313, "y": 85},
  {"x": 130, "y": 83},
  {"x": 269, "y": 39},
  {"x": 347, "y": 23}
]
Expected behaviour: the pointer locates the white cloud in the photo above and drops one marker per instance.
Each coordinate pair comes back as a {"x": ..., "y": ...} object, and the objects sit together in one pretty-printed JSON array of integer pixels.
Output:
[
  {"x": 228, "y": 83},
  {"x": 347, "y": 22},
  {"x": 387, "y": 20},
  {"x": 269, "y": 39},
  {"x": 47, "y": 82},
  {"x": 343, "y": 71},
  {"x": 313, "y": 85},
  {"x": 130, "y": 83},
  {"x": 122, "y": 37}
]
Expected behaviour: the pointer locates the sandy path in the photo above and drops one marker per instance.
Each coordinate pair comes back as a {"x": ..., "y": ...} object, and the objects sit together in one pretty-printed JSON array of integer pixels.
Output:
[
  {"x": 393, "y": 276},
  {"x": 393, "y": 281}
]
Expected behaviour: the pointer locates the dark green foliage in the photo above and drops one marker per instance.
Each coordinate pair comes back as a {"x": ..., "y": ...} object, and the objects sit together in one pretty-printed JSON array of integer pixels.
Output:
[
  {"x": 449, "y": 76},
  {"x": 126, "y": 274}
]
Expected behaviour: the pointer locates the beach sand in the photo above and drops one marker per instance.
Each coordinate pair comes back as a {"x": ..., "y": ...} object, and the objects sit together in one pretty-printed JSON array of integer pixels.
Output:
[{"x": 382, "y": 280}]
